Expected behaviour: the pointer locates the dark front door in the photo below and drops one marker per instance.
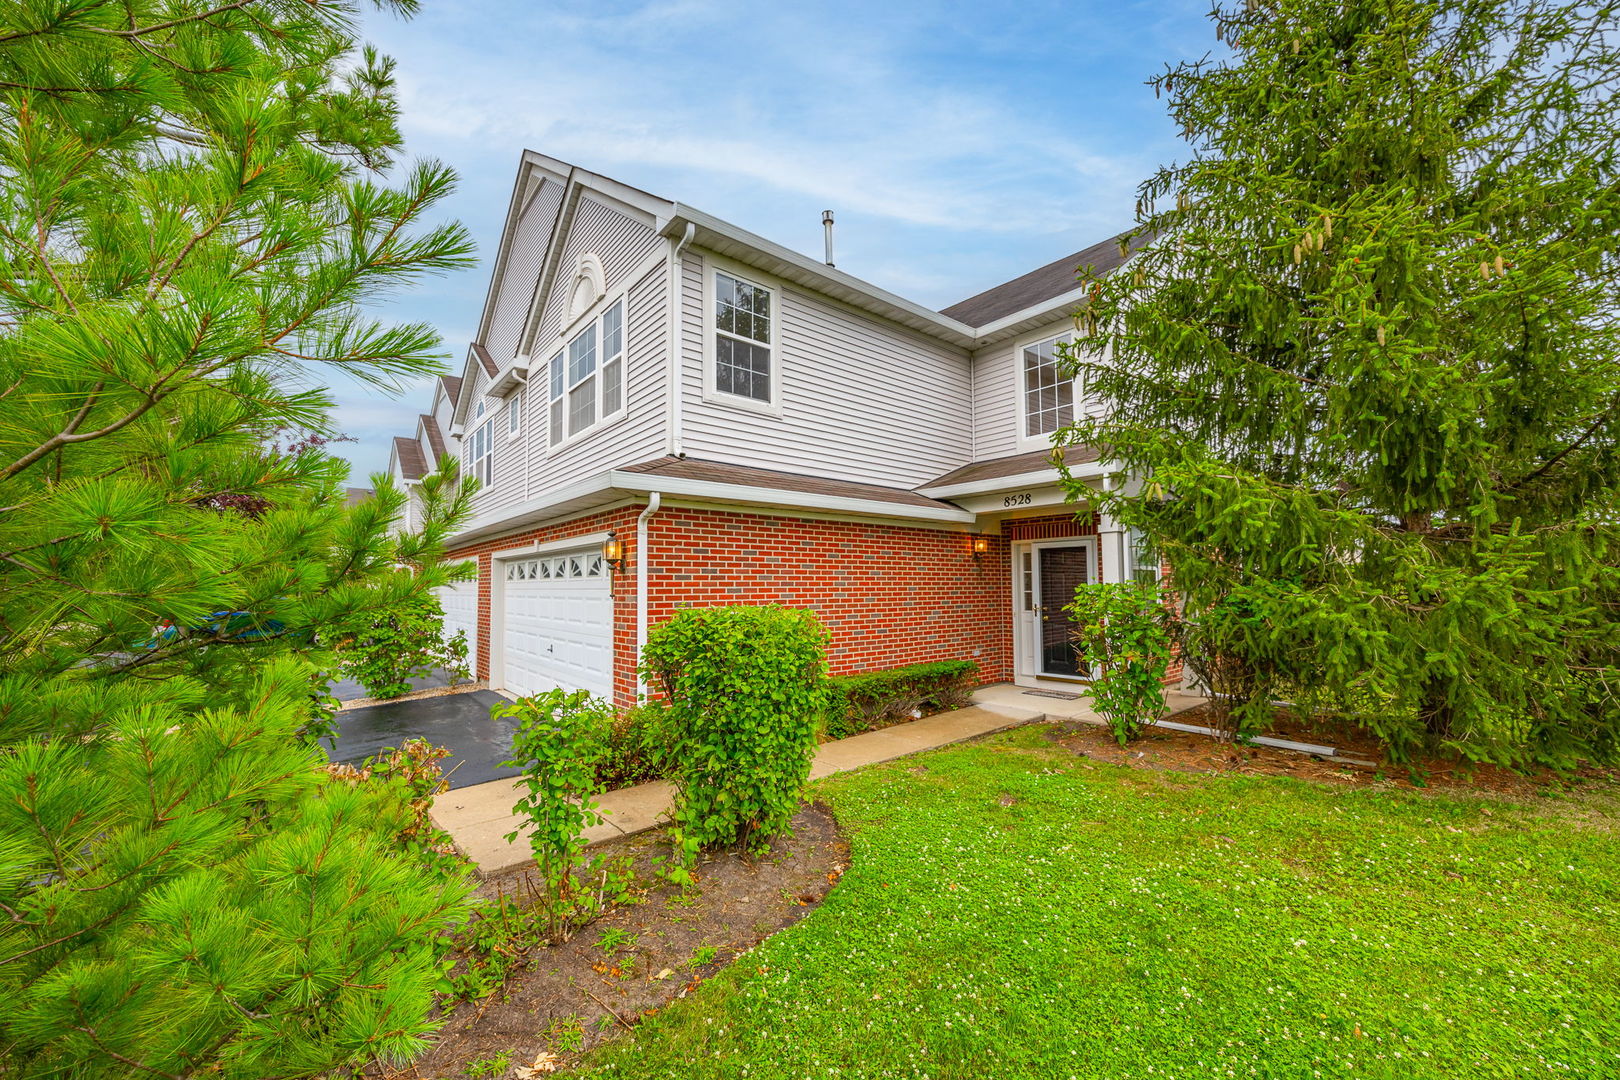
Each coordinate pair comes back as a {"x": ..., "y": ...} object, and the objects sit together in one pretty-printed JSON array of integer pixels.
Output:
[{"x": 1062, "y": 571}]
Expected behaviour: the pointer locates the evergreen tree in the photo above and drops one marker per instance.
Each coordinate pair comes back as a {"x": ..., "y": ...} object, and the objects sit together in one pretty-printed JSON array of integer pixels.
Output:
[
  {"x": 1366, "y": 369},
  {"x": 190, "y": 223}
]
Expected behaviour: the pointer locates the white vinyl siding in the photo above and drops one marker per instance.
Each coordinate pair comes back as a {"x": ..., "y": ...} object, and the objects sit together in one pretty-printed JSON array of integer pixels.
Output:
[
  {"x": 521, "y": 272},
  {"x": 860, "y": 399},
  {"x": 620, "y": 241}
]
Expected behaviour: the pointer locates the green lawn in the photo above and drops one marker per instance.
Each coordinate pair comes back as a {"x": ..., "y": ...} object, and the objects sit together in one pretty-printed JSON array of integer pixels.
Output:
[{"x": 1112, "y": 923}]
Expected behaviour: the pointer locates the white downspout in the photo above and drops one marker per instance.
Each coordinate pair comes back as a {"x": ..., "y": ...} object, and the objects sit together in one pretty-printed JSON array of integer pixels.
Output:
[
  {"x": 653, "y": 502},
  {"x": 677, "y": 351}
]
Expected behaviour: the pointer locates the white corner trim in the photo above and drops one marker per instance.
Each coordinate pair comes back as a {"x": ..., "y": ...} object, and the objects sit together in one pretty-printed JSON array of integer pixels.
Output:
[{"x": 740, "y": 493}]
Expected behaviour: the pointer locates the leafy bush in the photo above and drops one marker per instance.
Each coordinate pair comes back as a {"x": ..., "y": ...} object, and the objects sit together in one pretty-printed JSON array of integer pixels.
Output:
[
  {"x": 747, "y": 689},
  {"x": 384, "y": 655},
  {"x": 559, "y": 741},
  {"x": 636, "y": 747},
  {"x": 1125, "y": 633},
  {"x": 874, "y": 699}
]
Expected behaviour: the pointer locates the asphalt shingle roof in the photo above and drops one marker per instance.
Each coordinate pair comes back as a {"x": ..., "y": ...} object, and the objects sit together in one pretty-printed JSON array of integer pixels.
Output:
[{"x": 1050, "y": 281}]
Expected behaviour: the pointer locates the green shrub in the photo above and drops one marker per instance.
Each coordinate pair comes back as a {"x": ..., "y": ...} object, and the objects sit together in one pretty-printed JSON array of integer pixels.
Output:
[
  {"x": 559, "y": 741},
  {"x": 747, "y": 689},
  {"x": 386, "y": 654},
  {"x": 635, "y": 748},
  {"x": 874, "y": 699},
  {"x": 1125, "y": 633}
]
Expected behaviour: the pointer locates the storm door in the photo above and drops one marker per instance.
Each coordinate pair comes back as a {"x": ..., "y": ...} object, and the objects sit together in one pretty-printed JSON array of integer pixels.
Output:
[{"x": 1059, "y": 572}]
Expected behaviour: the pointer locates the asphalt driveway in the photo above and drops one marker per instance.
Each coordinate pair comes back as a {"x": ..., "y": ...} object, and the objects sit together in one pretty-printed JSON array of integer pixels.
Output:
[{"x": 459, "y": 721}]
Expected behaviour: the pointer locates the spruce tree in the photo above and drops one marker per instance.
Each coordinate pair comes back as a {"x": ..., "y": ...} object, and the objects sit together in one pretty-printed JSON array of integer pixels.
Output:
[
  {"x": 1364, "y": 375},
  {"x": 191, "y": 220}
]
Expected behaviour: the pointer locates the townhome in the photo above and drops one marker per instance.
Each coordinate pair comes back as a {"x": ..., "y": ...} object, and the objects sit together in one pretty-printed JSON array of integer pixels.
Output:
[{"x": 665, "y": 410}]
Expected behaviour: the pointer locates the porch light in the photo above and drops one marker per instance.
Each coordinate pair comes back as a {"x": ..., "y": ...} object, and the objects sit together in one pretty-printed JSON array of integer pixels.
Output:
[
  {"x": 613, "y": 552},
  {"x": 981, "y": 544}
]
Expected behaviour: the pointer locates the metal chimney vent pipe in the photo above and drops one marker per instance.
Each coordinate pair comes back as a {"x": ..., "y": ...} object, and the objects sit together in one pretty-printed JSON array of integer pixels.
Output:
[{"x": 827, "y": 227}]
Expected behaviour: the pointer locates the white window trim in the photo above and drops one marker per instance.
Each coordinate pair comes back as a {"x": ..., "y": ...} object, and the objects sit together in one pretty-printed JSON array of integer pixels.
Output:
[
  {"x": 514, "y": 408},
  {"x": 1020, "y": 420},
  {"x": 475, "y": 460},
  {"x": 1157, "y": 566},
  {"x": 540, "y": 372},
  {"x": 712, "y": 265}
]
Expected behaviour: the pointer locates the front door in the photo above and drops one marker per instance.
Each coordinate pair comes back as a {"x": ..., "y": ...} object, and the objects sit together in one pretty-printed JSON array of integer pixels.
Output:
[
  {"x": 1061, "y": 570},
  {"x": 1051, "y": 572}
]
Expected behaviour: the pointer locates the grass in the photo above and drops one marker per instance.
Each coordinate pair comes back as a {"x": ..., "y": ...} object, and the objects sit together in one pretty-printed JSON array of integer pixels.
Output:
[{"x": 1019, "y": 912}]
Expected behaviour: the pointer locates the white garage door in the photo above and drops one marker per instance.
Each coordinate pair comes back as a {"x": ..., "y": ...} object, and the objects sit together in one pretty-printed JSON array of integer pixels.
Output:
[
  {"x": 558, "y": 623},
  {"x": 460, "y": 603}
]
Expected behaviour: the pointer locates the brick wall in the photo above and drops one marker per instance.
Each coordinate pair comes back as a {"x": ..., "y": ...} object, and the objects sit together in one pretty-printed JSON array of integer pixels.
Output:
[{"x": 887, "y": 594}]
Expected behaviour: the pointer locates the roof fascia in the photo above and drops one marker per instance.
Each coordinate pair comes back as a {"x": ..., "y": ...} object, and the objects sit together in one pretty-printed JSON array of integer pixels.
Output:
[
  {"x": 715, "y": 234},
  {"x": 1017, "y": 480},
  {"x": 647, "y": 483}
]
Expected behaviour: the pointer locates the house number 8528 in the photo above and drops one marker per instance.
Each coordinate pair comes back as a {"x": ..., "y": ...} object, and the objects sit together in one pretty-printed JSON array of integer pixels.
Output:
[{"x": 1018, "y": 500}]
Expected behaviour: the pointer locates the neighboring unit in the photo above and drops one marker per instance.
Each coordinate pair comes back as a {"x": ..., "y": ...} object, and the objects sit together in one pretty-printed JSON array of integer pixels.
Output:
[{"x": 754, "y": 426}]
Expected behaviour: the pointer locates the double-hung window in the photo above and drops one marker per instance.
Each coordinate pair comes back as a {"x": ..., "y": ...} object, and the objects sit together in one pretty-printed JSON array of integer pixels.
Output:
[
  {"x": 480, "y": 451},
  {"x": 1048, "y": 390},
  {"x": 1144, "y": 560},
  {"x": 586, "y": 376},
  {"x": 514, "y": 413},
  {"x": 742, "y": 338}
]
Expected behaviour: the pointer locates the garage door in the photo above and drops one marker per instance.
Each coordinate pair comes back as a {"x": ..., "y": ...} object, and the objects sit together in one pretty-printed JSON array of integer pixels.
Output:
[
  {"x": 460, "y": 603},
  {"x": 558, "y": 623}
]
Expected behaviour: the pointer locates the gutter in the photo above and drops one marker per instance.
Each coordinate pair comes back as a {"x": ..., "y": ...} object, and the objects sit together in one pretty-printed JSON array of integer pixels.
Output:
[
  {"x": 642, "y": 563},
  {"x": 677, "y": 347}
]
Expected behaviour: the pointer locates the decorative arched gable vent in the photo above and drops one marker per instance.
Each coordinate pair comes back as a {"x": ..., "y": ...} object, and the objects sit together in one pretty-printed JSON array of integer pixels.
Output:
[{"x": 589, "y": 286}]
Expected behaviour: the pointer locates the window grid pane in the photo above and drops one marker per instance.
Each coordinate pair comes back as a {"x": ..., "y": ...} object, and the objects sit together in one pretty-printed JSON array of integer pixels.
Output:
[
  {"x": 582, "y": 406},
  {"x": 742, "y": 368},
  {"x": 556, "y": 376},
  {"x": 1048, "y": 393},
  {"x": 582, "y": 355}
]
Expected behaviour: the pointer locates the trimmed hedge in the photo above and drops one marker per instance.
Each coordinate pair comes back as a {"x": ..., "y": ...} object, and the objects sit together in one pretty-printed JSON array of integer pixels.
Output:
[{"x": 875, "y": 699}]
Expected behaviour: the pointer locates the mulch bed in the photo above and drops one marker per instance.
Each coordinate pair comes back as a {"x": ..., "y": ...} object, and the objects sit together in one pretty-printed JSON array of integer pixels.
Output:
[
  {"x": 571, "y": 997},
  {"x": 1364, "y": 762}
]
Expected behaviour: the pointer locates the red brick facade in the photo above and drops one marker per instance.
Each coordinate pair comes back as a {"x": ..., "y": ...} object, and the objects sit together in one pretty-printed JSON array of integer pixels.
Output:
[{"x": 887, "y": 594}]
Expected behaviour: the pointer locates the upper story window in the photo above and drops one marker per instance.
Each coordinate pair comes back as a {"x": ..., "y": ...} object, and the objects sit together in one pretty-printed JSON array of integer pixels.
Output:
[
  {"x": 742, "y": 339},
  {"x": 586, "y": 377},
  {"x": 480, "y": 452},
  {"x": 1048, "y": 392},
  {"x": 514, "y": 413}
]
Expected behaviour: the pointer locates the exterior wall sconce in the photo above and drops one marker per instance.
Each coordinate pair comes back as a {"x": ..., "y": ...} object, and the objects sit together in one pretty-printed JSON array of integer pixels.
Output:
[
  {"x": 613, "y": 552},
  {"x": 981, "y": 544}
]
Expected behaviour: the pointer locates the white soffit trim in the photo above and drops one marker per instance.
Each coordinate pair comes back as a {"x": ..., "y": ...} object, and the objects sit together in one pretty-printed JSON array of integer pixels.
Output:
[
  {"x": 738, "y": 493},
  {"x": 1044, "y": 478}
]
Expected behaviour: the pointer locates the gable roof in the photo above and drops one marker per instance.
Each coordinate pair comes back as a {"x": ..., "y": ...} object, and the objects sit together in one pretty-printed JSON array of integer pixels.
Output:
[
  {"x": 491, "y": 368},
  {"x": 435, "y": 437},
  {"x": 412, "y": 466},
  {"x": 452, "y": 387},
  {"x": 1046, "y": 283}
]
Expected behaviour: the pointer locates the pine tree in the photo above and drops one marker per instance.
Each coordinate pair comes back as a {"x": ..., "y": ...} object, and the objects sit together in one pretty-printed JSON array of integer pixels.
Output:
[
  {"x": 191, "y": 220},
  {"x": 1365, "y": 371}
]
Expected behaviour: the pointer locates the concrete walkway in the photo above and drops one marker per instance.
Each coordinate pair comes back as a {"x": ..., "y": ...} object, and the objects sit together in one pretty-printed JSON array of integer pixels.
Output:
[{"x": 479, "y": 817}]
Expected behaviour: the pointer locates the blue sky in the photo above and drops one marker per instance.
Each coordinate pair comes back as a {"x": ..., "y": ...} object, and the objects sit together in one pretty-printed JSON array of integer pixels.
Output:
[{"x": 960, "y": 143}]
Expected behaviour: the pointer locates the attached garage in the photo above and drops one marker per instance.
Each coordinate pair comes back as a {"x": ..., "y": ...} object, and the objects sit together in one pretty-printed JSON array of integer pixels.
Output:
[
  {"x": 555, "y": 623},
  {"x": 460, "y": 604}
]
